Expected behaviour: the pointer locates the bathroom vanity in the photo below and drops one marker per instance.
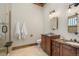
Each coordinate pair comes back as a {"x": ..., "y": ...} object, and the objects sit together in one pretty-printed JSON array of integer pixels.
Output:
[
  {"x": 46, "y": 42},
  {"x": 63, "y": 48},
  {"x": 54, "y": 46}
]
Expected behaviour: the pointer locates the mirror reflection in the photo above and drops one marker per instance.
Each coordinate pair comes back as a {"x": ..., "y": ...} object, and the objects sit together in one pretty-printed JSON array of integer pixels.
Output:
[{"x": 72, "y": 23}]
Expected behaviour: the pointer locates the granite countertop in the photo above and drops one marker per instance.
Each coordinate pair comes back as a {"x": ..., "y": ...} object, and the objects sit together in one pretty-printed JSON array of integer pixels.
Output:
[
  {"x": 49, "y": 34},
  {"x": 62, "y": 41}
]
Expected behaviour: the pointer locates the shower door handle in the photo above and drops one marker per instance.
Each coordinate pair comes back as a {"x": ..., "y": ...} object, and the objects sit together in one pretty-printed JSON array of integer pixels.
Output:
[{"x": 4, "y": 29}]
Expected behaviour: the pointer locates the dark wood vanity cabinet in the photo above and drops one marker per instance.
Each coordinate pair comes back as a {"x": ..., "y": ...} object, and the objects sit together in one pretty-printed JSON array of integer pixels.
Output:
[
  {"x": 54, "y": 46},
  {"x": 62, "y": 49},
  {"x": 68, "y": 50},
  {"x": 46, "y": 43}
]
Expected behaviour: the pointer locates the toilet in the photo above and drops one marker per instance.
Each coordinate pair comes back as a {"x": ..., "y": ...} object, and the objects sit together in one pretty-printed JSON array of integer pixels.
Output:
[{"x": 38, "y": 42}]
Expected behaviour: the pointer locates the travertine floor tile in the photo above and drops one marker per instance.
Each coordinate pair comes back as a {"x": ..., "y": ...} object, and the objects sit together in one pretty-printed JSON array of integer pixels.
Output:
[{"x": 28, "y": 51}]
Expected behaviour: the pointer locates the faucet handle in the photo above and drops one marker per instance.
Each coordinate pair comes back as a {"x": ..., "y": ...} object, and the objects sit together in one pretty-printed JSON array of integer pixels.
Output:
[
  {"x": 71, "y": 40},
  {"x": 75, "y": 40}
]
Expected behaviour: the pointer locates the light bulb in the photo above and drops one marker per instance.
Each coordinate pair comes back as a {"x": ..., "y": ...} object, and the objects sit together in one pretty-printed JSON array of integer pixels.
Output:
[
  {"x": 50, "y": 15},
  {"x": 54, "y": 13},
  {"x": 69, "y": 9}
]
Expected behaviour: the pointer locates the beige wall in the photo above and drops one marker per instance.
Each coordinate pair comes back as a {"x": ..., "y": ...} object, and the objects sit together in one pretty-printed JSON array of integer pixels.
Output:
[{"x": 32, "y": 16}]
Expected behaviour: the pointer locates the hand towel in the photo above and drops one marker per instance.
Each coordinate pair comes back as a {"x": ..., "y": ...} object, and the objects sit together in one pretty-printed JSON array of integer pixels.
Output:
[
  {"x": 24, "y": 31},
  {"x": 18, "y": 31}
]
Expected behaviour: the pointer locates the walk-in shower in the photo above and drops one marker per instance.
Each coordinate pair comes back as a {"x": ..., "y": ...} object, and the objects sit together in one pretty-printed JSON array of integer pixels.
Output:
[{"x": 5, "y": 29}]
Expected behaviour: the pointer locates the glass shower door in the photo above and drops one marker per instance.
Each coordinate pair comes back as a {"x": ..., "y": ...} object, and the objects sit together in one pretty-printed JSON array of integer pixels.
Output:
[
  {"x": 4, "y": 28},
  {"x": 3, "y": 38}
]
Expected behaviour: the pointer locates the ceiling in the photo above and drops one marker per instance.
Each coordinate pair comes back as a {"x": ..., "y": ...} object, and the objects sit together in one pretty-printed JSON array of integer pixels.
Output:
[{"x": 40, "y": 4}]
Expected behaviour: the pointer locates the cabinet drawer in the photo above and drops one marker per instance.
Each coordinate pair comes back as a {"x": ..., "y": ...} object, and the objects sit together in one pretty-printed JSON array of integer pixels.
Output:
[
  {"x": 55, "y": 44},
  {"x": 55, "y": 37}
]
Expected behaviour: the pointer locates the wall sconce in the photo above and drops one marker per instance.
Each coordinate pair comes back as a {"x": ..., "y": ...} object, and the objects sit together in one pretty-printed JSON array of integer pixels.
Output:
[
  {"x": 52, "y": 13},
  {"x": 69, "y": 9},
  {"x": 74, "y": 4}
]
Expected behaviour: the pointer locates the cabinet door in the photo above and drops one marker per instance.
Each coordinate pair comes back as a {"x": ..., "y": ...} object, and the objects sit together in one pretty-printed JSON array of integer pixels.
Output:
[
  {"x": 61, "y": 49},
  {"x": 68, "y": 51},
  {"x": 43, "y": 42},
  {"x": 55, "y": 49},
  {"x": 78, "y": 52},
  {"x": 48, "y": 45}
]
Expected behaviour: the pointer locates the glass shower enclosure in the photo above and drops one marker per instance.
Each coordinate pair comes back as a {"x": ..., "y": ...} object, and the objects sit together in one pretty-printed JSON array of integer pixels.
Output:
[
  {"x": 3, "y": 39},
  {"x": 4, "y": 28}
]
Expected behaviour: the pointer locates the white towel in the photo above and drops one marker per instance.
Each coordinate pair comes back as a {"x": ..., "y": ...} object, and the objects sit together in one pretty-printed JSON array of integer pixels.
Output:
[
  {"x": 18, "y": 31},
  {"x": 24, "y": 31}
]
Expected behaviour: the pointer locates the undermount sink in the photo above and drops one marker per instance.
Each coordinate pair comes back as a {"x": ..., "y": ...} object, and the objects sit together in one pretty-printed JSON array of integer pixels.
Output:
[{"x": 73, "y": 43}]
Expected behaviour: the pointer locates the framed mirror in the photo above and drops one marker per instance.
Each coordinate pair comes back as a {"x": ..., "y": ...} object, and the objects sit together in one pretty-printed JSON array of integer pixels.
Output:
[
  {"x": 72, "y": 23},
  {"x": 54, "y": 23}
]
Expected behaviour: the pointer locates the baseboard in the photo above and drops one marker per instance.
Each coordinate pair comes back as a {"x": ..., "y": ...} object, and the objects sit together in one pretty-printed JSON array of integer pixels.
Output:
[{"x": 23, "y": 46}]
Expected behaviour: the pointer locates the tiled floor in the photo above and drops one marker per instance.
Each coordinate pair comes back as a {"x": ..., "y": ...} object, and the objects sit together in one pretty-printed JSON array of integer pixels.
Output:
[{"x": 28, "y": 51}]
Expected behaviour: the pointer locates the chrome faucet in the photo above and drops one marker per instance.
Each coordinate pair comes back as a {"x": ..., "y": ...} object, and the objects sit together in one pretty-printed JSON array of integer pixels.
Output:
[{"x": 74, "y": 40}]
